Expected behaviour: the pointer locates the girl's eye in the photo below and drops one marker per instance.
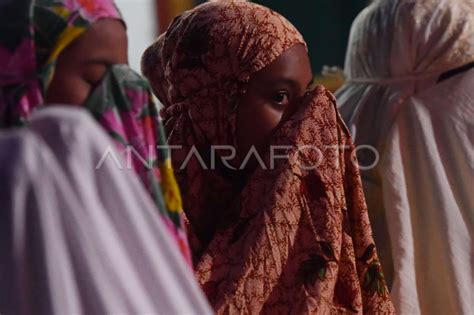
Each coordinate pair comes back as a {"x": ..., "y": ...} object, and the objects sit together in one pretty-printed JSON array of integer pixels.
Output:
[
  {"x": 281, "y": 98},
  {"x": 311, "y": 88}
]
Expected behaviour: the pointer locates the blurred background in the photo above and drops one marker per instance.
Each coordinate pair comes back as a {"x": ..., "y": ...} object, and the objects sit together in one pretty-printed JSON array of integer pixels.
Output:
[{"x": 325, "y": 25}]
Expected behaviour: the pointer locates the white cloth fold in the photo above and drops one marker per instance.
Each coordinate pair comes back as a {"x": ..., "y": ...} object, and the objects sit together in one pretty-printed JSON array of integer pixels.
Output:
[
  {"x": 420, "y": 193},
  {"x": 81, "y": 240}
]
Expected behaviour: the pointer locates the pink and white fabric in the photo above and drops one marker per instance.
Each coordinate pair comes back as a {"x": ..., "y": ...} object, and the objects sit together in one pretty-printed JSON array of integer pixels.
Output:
[{"x": 78, "y": 232}]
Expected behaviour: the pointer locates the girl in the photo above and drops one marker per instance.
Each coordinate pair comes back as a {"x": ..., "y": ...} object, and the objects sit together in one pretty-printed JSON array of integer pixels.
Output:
[{"x": 286, "y": 235}]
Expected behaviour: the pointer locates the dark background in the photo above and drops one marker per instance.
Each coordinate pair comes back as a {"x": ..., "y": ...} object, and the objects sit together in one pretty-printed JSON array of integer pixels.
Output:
[{"x": 325, "y": 25}]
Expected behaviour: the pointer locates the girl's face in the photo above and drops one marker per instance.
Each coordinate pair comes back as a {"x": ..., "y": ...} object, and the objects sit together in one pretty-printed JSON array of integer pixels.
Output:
[
  {"x": 272, "y": 94},
  {"x": 83, "y": 64}
]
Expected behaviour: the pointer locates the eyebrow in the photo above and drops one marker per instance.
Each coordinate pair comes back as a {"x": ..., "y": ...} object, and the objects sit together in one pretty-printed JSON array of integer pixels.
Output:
[{"x": 291, "y": 82}]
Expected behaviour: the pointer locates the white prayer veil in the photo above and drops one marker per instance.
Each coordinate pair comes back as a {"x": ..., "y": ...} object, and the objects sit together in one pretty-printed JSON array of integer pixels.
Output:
[
  {"x": 82, "y": 237},
  {"x": 419, "y": 193}
]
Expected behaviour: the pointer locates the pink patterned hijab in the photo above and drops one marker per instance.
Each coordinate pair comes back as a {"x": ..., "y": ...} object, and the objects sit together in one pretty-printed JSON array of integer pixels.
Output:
[
  {"x": 280, "y": 240},
  {"x": 32, "y": 36}
]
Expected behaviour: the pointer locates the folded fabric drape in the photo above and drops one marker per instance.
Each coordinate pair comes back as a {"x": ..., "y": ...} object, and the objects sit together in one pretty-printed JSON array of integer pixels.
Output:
[{"x": 78, "y": 233}]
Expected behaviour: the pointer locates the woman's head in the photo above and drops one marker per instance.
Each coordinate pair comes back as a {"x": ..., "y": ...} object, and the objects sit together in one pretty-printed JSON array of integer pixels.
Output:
[
  {"x": 399, "y": 38},
  {"x": 271, "y": 94},
  {"x": 229, "y": 68},
  {"x": 55, "y": 49},
  {"x": 83, "y": 64},
  {"x": 80, "y": 39}
]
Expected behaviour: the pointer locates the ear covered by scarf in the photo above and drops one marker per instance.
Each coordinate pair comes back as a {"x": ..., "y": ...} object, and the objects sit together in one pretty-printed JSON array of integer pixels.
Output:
[{"x": 196, "y": 69}]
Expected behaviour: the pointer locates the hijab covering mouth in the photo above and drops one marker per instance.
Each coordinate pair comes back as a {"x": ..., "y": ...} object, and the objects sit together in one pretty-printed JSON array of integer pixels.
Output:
[
  {"x": 196, "y": 69},
  {"x": 419, "y": 195},
  {"x": 284, "y": 240},
  {"x": 33, "y": 35}
]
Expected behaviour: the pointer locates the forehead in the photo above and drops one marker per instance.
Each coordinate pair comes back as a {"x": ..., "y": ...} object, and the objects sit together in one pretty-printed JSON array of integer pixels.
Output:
[
  {"x": 106, "y": 39},
  {"x": 105, "y": 32},
  {"x": 292, "y": 65}
]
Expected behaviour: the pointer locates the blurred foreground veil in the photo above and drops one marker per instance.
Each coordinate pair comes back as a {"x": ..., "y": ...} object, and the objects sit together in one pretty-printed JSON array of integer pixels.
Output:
[{"x": 78, "y": 233}]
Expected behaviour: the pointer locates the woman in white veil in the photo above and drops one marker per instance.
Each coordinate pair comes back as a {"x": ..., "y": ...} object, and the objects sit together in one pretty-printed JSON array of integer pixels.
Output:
[
  {"x": 78, "y": 232},
  {"x": 409, "y": 102}
]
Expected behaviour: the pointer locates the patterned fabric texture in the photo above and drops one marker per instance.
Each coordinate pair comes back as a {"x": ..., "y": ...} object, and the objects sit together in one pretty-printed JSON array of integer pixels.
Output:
[
  {"x": 279, "y": 240},
  {"x": 121, "y": 103}
]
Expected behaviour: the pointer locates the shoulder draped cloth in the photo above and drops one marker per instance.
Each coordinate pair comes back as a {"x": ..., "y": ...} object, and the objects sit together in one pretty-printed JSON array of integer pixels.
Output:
[{"x": 286, "y": 239}]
